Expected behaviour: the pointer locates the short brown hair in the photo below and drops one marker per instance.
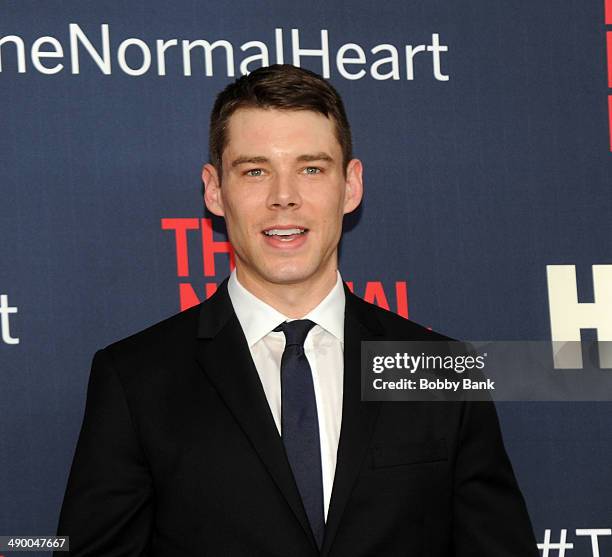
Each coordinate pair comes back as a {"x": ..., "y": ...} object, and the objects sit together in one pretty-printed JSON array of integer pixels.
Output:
[{"x": 284, "y": 87}]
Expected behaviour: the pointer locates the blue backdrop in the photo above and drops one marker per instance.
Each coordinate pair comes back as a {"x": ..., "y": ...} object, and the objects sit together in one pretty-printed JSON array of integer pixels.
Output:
[{"x": 485, "y": 135}]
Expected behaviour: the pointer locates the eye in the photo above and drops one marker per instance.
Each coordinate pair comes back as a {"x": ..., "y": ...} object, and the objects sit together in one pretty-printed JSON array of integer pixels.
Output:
[
  {"x": 312, "y": 170},
  {"x": 254, "y": 172}
]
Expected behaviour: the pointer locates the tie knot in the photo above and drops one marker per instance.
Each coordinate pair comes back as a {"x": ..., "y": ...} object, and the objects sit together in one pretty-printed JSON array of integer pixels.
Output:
[{"x": 295, "y": 331}]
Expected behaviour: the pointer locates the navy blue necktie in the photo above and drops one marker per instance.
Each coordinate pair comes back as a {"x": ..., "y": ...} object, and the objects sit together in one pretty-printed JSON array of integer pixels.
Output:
[{"x": 299, "y": 423}]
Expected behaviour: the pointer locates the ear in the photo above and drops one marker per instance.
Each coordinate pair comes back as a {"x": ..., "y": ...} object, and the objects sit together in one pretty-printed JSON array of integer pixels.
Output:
[
  {"x": 212, "y": 190},
  {"x": 354, "y": 185}
]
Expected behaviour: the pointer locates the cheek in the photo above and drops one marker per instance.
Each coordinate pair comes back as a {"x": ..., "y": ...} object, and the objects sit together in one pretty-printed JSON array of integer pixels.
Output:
[
  {"x": 328, "y": 201},
  {"x": 332, "y": 228},
  {"x": 239, "y": 212},
  {"x": 334, "y": 212}
]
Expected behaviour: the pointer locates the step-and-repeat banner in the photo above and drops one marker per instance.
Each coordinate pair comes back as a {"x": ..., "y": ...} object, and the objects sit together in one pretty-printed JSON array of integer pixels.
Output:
[{"x": 485, "y": 129}]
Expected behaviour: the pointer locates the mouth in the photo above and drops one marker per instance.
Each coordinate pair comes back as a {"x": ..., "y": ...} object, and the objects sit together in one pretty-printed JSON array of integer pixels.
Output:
[{"x": 285, "y": 233}]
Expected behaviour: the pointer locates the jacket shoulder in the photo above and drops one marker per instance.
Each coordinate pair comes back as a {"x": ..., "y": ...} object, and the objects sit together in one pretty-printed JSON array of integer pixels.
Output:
[
  {"x": 172, "y": 333},
  {"x": 394, "y": 325}
]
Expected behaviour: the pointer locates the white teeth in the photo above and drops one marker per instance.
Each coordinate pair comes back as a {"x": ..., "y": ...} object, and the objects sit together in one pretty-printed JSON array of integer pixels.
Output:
[{"x": 283, "y": 232}]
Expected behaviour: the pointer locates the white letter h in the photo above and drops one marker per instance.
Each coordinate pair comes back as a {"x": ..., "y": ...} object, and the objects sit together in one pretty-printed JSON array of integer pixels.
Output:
[{"x": 568, "y": 316}]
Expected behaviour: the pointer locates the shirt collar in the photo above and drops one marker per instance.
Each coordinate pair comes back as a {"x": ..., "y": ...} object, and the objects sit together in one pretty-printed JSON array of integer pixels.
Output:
[{"x": 258, "y": 318}]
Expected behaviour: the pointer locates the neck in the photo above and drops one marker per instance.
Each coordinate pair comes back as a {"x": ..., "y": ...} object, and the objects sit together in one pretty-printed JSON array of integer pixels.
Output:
[{"x": 292, "y": 300}]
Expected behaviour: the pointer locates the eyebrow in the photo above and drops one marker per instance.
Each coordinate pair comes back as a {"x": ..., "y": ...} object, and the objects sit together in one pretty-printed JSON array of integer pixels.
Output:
[
  {"x": 246, "y": 160},
  {"x": 302, "y": 158},
  {"x": 316, "y": 157}
]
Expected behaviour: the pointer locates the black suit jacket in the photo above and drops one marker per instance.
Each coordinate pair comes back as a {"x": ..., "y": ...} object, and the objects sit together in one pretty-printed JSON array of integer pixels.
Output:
[{"x": 179, "y": 456}]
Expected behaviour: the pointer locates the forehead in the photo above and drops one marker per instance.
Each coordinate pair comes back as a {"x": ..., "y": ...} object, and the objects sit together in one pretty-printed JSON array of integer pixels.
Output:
[{"x": 271, "y": 131}]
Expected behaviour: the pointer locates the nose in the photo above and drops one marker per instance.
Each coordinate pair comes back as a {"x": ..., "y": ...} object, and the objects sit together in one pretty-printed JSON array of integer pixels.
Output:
[{"x": 284, "y": 192}]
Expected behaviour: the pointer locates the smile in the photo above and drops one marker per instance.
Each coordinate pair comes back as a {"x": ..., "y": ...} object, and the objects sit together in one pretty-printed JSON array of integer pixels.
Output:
[
  {"x": 288, "y": 236},
  {"x": 285, "y": 234}
]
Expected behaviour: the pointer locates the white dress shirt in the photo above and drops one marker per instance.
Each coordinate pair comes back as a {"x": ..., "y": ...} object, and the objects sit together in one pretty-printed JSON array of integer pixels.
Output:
[{"x": 324, "y": 348}]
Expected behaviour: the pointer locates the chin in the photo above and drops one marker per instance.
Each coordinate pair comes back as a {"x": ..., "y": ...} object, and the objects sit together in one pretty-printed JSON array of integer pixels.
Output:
[{"x": 287, "y": 275}]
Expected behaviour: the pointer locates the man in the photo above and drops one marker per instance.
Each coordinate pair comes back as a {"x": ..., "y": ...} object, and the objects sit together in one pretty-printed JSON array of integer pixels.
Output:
[{"x": 236, "y": 428}]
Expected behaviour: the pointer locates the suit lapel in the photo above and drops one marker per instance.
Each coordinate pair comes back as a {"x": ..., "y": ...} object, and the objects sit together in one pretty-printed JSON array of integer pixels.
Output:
[
  {"x": 358, "y": 418},
  {"x": 224, "y": 355}
]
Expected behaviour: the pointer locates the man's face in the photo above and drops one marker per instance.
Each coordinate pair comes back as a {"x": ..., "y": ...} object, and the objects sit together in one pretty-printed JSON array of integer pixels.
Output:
[{"x": 283, "y": 194}]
